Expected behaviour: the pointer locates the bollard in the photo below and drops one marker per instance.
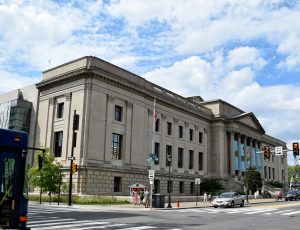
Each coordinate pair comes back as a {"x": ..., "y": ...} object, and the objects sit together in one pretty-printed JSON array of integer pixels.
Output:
[{"x": 177, "y": 204}]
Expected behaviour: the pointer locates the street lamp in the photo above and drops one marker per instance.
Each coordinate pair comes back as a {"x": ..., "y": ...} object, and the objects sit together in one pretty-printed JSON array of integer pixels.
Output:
[{"x": 169, "y": 159}]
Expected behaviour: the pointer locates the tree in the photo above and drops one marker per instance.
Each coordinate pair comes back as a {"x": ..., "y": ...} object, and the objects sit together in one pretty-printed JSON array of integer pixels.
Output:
[
  {"x": 211, "y": 185},
  {"x": 47, "y": 178},
  {"x": 294, "y": 173},
  {"x": 253, "y": 180}
]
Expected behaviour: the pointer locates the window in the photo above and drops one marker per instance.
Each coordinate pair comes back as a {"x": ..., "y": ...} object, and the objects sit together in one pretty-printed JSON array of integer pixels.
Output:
[
  {"x": 157, "y": 125},
  {"x": 200, "y": 160},
  {"x": 265, "y": 171},
  {"x": 117, "y": 184},
  {"x": 170, "y": 186},
  {"x": 181, "y": 187},
  {"x": 191, "y": 132},
  {"x": 168, "y": 153},
  {"x": 192, "y": 187},
  {"x": 180, "y": 131},
  {"x": 273, "y": 173},
  {"x": 118, "y": 113},
  {"x": 180, "y": 157},
  {"x": 116, "y": 146},
  {"x": 156, "y": 151},
  {"x": 156, "y": 188},
  {"x": 169, "y": 128},
  {"x": 191, "y": 160},
  {"x": 200, "y": 137},
  {"x": 60, "y": 110},
  {"x": 269, "y": 172},
  {"x": 58, "y": 138}
]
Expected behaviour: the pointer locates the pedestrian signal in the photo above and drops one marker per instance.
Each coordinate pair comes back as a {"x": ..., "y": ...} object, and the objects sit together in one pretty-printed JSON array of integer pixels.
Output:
[
  {"x": 267, "y": 151},
  {"x": 74, "y": 168},
  {"x": 296, "y": 149}
]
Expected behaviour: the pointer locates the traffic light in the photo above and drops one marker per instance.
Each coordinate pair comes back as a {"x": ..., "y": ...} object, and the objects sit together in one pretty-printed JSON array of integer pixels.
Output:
[
  {"x": 40, "y": 162},
  {"x": 74, "y": 168},
  {"x": 267, "y": 151},
  {"x": 296, "y": 149}
]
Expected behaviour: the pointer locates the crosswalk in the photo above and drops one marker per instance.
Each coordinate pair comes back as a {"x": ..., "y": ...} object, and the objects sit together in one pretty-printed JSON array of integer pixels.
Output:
[
  {"x": 51, "y": 218},
  {"x": 244, "y": 211}
]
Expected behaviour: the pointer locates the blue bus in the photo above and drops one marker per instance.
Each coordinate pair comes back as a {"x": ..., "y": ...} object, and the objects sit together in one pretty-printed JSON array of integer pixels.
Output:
[{"x": 13, "y": 179}]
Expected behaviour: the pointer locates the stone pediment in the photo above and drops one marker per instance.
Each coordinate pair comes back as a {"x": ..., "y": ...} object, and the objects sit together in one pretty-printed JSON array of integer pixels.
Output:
[{"x": 249, "y": 120}]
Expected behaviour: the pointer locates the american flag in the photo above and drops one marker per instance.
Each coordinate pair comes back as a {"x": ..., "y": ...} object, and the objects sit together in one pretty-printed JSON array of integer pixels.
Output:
[{"x": 154, "y": 115}]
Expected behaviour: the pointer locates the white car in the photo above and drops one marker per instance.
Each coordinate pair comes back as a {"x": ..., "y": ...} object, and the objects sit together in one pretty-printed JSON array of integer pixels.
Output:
[{"x": 228, "y": 199}]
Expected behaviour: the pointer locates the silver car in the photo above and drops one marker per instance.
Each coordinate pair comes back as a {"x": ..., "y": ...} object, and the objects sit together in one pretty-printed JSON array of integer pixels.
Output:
[{"x": 228, "y": 199}]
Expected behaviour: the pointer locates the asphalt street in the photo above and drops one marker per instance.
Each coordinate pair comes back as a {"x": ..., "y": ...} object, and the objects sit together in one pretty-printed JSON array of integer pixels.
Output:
[{"x": 277, "y": 215}]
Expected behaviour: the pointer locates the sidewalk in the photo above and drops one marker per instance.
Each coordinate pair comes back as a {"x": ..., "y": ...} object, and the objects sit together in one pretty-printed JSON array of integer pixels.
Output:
[{"x": 183, "y": 205}]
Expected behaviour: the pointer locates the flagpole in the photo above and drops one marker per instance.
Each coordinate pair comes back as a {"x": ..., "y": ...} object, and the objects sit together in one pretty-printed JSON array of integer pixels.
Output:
[{"x": 152, "y": 149}]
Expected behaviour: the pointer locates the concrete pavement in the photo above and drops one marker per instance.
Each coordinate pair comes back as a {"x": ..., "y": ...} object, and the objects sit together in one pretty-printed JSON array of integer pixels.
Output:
[{"x": 182, "y": 205}]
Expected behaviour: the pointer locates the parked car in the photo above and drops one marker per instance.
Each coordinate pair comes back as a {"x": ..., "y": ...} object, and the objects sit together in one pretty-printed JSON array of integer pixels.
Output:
[
  {"x": 292, "y": 195},
  {"x": 229, "y": 199}
]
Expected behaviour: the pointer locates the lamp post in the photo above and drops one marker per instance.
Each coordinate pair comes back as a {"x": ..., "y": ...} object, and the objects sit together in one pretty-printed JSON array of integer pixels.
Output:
[{"x": 169, "y": 159}]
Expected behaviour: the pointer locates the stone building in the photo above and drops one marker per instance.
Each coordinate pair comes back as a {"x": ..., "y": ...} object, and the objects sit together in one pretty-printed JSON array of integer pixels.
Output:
[{"x": 207, "y": 139}]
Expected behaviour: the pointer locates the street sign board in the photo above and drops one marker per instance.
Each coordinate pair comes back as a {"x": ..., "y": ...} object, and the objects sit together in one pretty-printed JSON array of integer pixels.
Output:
[
  {"x": 197, "y": 180},
  {"x": 151, "y": 174},
  {"x": 278, "y": 150},
  {"x": 151, "y": 181}
]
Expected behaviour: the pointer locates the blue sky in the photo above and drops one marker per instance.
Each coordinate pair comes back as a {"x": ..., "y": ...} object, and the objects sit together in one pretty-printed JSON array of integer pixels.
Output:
[{"x": 244, "y": 52}]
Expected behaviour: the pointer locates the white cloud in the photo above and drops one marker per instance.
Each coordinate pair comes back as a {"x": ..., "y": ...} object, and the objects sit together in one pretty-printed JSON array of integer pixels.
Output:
[
  {"x": 11, "y": 81},
  {"x": 245, "y": 56},
  {"x": 185, "y": 77},
  {"x": 271, "y": 104}
]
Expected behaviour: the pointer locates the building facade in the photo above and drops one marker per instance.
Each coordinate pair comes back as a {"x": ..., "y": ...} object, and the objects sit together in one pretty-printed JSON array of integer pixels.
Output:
[{"x": 207, "y": 139}]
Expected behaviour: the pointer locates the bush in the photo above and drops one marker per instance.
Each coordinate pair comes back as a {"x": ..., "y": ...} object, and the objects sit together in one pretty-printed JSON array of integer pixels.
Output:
[
  {"x": 211, "y": 186},
  {"x": 102, "y": 200},
  {"x": 276, "y": 184}
]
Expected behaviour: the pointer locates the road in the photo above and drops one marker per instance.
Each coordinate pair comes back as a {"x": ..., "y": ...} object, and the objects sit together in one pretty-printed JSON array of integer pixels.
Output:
[{"x": 278, "y": 215}]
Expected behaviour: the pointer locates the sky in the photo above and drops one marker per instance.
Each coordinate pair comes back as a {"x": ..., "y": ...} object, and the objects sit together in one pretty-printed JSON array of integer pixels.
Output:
[{"x": 244, "y": 52}]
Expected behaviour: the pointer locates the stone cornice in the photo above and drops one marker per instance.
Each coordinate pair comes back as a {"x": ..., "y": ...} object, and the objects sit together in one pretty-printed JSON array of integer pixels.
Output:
[{"x": 140, "y": 86}]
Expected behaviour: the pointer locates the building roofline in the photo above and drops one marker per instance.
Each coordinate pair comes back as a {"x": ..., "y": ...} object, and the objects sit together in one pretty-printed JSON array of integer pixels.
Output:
[{"x": 120, "y": 75}]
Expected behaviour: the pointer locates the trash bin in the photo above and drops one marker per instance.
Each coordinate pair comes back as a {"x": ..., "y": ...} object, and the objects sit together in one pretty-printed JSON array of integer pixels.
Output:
[
  {"x": 153, "y": 201},
  {"x": 158, "y": 201}
]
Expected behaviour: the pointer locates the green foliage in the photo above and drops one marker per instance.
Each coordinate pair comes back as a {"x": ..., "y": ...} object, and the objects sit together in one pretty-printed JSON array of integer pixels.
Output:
[
  {"x": 294, "y": 173},
  {"x": 102, "y": 200},
  {"x": 253, "y": 180},
  {"x": 276, "y": 184},
  {"x": 48, "y": 177},
  {"x": 211, "y": 186}
]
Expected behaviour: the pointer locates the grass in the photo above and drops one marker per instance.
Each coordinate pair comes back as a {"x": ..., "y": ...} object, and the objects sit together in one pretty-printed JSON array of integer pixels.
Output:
[{"x": 100, "y": 200}]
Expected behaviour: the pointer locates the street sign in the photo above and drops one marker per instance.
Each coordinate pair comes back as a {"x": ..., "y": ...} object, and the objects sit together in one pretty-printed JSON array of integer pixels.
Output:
[
  {"x": 278, "y": 150},
  {"x": 151, "y": 181},
  {"x": 151, "y": 174},
  {"x": 71, "y": 158},
  {"x": 197, "y": 180}
]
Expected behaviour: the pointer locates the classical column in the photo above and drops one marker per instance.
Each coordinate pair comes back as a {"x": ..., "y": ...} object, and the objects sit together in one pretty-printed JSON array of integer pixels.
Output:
[
  {"x": 128, "y": 145},
  {"x": 108, "y": 131},
  {"x": 163, "y": 131},
  {"x": 239, "y": 155},
  {"x": 50, "y": 120},
  {"x": 232, "y": 154}
]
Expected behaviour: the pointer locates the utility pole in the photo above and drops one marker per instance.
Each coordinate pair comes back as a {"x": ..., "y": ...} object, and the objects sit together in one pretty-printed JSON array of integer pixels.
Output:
[{"x": 72, "y": 158}]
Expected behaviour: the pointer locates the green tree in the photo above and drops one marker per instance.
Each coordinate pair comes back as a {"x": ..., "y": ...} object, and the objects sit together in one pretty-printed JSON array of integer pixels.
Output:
[
  {"x": 294, "y": 173},
  {"x": 211, "y": 186},
  {"x": 253, "y": 180},
  {"x": 47, "y": 178}
]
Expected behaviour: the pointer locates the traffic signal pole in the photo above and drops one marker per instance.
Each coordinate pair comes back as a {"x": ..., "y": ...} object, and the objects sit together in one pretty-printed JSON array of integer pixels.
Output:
[{"x": 72, "y": 158}]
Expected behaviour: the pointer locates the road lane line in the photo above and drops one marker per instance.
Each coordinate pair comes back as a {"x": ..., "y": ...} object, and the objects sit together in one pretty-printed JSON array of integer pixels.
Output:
[
  {"x": 138, "y": 228},
  {"x": 48, "y": 221},
  {"x": 284, "y": 211},
  {"x": 290, "y": 213}
]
